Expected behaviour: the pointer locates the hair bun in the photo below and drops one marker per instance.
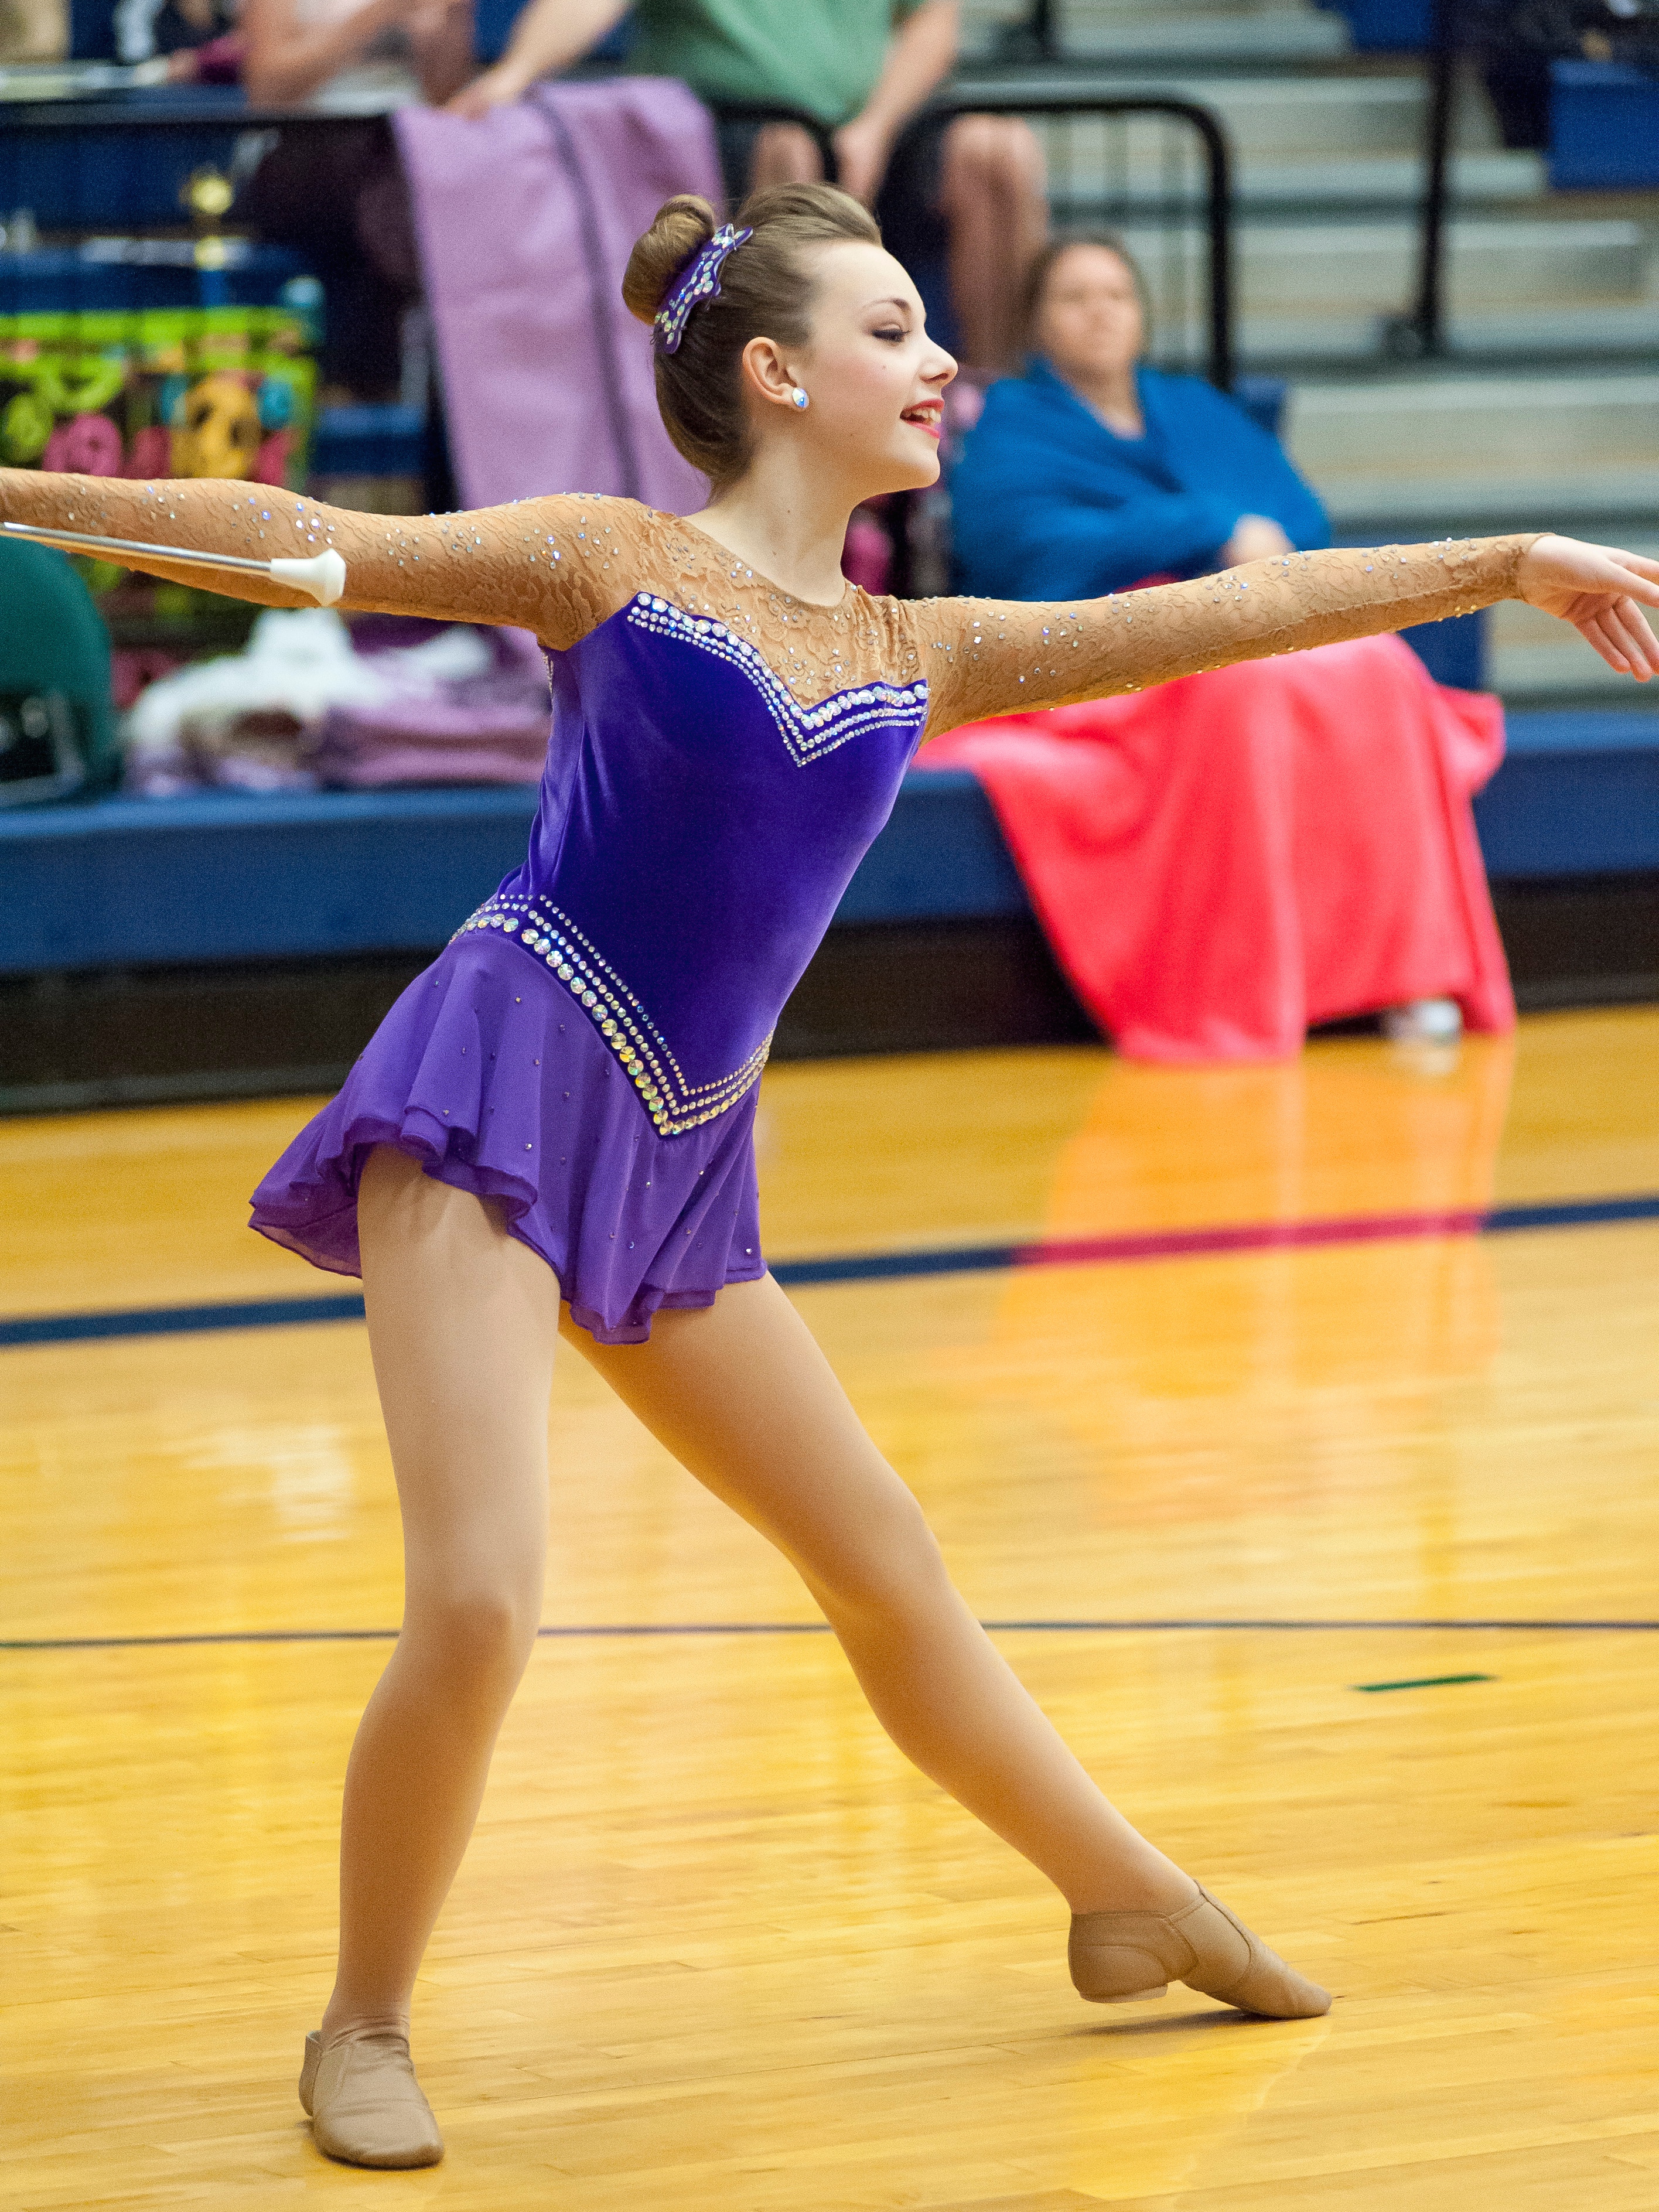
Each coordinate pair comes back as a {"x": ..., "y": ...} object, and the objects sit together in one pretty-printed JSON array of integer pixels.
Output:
[{"x": 684, "y": 226}]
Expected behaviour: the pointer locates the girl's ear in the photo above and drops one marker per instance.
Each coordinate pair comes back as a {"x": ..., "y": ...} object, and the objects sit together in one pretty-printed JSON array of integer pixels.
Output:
[{"x": 765, "y": 374}]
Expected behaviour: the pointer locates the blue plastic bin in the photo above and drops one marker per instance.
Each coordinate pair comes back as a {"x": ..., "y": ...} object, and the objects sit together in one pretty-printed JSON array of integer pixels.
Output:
[{"x": 1604, "y": 127}]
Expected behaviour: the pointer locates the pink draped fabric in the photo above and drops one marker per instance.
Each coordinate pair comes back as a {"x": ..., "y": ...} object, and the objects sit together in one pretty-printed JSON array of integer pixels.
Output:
[
  {"x": 525, "y": 221},
  {"x": 1227, "y": 860}
]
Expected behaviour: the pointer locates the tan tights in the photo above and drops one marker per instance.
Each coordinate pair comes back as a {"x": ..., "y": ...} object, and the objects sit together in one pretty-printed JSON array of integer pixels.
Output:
[{"x": 462, "y": 1322}]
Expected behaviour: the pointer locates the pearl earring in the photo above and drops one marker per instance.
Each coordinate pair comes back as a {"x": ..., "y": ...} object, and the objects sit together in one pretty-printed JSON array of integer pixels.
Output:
[{"x": 799, "y": 397}]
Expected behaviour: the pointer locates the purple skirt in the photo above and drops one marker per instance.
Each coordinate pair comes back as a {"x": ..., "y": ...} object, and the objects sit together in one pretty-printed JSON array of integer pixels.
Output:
[{"x": 485, "y": 1074}]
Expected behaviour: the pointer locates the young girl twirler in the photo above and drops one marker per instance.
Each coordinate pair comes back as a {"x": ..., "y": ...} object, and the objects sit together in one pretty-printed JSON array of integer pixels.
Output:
[{"x": 551, "y": 1132}]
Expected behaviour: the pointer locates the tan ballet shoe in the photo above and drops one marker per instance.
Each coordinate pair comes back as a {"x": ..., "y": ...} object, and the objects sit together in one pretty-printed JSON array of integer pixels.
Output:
[
  {"x": 1119, "y": 1957},
  {"x": 366, "y": 2106}
]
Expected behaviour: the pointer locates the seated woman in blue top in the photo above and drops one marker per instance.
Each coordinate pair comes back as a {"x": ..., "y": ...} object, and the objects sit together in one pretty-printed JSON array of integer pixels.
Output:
[
  {"x": 1102, "y": 473},
  {"x": 1238, "y": 855}
]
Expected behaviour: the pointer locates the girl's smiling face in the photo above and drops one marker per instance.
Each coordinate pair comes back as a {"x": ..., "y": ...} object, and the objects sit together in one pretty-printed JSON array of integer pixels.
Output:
[{"x": 874, "y": 379}]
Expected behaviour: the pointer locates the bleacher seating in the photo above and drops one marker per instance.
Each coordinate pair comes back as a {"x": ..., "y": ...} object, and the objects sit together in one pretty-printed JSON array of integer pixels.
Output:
[
  {"x": 128, "y": 883},
  {"x": 116, "y": 166},
  {"x": 370, "y": 441},
  {"x": 1544, "y": 414}
]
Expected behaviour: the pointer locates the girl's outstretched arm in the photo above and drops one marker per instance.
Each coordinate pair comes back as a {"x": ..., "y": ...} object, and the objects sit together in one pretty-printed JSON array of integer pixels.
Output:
[
  {"x": 984, "y": 657},
  {"x": 540, "y": 563}
]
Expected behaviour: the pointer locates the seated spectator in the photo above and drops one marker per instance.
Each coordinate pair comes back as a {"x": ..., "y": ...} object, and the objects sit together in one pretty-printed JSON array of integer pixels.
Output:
[
  {"x": 337, "y": 197},
  {"x": 799, "y": 93},
  {"x": 1227, "y": 860},
  {"x": 1101, "y": 472}
]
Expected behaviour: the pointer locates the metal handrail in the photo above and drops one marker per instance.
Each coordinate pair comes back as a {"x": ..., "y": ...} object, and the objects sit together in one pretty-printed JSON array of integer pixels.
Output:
[
  {"x": 1072, "y": 95},
  {"x": 1458, "y": 29},
  {"x": 1420, "y": 331}
]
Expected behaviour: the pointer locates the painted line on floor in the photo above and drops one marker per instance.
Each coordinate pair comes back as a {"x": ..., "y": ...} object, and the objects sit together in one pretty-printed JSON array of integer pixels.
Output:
[
  {"x": 603, "y": 1630},
  {"x": 180, "y": 1321},
  {"x": 885, "y": 1267},
  {"x": 1422, "y": 1683}
]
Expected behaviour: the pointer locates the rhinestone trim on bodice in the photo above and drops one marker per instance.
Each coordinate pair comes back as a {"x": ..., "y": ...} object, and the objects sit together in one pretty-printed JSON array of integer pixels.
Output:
[
  {"x": 549, "y": 936},
  {"x": 809, "y": 733}
]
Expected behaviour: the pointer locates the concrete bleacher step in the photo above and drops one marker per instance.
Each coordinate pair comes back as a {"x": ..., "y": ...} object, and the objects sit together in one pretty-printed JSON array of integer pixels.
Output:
[
  {"x": 1428, "y": 452},
  {"x": 1266, "y": 339},
  {"x": 1519, "y": 285},
  {"x": 1300, "y": 143},
  {"x": 1329, "y": 180},
  {"x": 1293, "y": 119},
  {"x": 1489, "y": 263},
  {"x": 1129, "y": 32}
]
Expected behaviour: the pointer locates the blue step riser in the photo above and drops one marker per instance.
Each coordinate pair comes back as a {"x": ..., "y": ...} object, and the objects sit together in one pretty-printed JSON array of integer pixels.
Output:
[
  {"x": 135, "y": 882},
  {"x": 1387, "y": 27},
  {"x": 108, "y": 180}
]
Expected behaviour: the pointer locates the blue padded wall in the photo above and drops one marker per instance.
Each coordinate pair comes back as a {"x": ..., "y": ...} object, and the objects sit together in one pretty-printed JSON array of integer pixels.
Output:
[
  {"x": 105, "y": 178},
  {"x": 137, "y": 882}
]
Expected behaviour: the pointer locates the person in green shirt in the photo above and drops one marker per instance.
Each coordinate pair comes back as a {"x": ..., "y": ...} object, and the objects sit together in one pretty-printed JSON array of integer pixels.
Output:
[{"x": 800, "y": 92}]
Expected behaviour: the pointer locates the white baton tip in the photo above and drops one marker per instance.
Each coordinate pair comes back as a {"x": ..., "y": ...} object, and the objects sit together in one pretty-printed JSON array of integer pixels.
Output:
[{"x": 321, "y": 578}]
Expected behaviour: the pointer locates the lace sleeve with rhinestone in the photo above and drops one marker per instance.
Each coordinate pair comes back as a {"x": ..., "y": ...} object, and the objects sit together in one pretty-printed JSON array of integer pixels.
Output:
[
  {"x": 985, "y": 657},
  {"x": 557, "y": 565}
]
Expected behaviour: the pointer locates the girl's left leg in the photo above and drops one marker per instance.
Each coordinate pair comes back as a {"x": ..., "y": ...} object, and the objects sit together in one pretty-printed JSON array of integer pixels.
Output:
[{"x": 743, "y": 1398}]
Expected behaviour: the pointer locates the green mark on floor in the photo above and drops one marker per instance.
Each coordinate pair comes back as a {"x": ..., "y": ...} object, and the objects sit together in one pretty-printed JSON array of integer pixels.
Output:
[{"x": 1424, "y": 1682}]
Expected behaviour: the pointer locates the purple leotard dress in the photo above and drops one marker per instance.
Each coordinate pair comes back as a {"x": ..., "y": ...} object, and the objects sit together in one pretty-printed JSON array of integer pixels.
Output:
[{"x": 585, "y": 1050}]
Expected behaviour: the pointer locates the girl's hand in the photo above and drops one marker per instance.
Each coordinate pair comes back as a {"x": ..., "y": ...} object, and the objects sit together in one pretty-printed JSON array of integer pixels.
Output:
[{"x": 1601, "y": 592}]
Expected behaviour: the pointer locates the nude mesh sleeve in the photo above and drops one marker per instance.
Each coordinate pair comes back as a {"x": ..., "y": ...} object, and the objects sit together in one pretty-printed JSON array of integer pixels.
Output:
[
  {"x": 557, "y": 565},
  {"x": 985, "y": 657}
]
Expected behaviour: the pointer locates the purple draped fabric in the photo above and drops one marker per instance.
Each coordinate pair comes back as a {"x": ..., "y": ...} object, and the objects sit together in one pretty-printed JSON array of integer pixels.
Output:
[{"x": 525, "y": 221}]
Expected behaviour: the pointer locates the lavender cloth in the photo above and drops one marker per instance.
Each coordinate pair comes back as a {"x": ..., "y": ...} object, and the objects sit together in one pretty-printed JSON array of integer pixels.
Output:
[
  {"x": 485, "y": 1072},
  {"x": 482, "y": 729},
  {"x": 525, "y": 221}
]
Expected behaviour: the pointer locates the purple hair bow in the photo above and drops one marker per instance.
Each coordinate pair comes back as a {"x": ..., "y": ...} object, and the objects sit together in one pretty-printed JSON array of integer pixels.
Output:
[{"x": 701, "y": 280}]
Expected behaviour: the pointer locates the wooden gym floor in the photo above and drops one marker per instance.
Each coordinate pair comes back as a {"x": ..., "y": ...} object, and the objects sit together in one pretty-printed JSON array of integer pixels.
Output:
[{"x": 1305, "y": 1378}]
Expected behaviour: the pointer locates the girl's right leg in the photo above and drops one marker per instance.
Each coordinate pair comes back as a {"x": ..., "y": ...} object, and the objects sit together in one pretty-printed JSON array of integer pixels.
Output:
[{"x": 463, "y": 1322}]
